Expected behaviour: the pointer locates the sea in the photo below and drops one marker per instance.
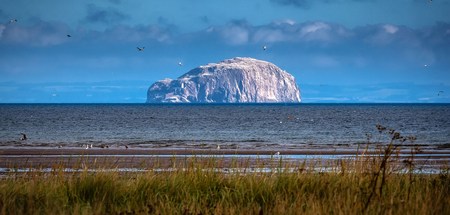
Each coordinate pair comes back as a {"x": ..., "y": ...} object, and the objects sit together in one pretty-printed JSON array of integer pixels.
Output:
[{"x": 234, "y": 126}]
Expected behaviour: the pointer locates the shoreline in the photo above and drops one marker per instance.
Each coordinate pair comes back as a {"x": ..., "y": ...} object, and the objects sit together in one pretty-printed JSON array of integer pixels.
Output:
[
  {"x": 97, "y": 158},
  {"x": 191, "y": 151}
]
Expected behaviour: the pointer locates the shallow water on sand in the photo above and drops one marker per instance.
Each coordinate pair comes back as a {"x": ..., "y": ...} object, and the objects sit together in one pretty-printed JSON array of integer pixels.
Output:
[{"x": 252, "y": 126}]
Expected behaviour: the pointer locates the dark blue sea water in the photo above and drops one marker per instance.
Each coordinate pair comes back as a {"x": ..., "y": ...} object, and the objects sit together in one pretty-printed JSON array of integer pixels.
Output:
[{"x": 252, "y": 126}]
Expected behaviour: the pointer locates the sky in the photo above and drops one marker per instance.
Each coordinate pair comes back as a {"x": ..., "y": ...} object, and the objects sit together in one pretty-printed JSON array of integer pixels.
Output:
[{"x": 339, "y": 51}]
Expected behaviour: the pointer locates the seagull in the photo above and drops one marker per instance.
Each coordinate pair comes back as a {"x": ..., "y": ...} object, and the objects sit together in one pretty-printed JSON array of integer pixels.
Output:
[
  {"x": 140, "y": 49},
  {"x": 264, "y": 48},
  {"x": 24, "y": 136}
]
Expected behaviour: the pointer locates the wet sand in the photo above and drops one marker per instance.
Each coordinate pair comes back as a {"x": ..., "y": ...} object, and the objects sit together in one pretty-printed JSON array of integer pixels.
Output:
[{"x": 163, "y": 158}]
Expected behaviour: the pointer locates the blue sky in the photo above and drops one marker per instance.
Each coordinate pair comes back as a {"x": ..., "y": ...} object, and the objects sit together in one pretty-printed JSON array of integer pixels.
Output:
[{"x": 338, "y": 50}]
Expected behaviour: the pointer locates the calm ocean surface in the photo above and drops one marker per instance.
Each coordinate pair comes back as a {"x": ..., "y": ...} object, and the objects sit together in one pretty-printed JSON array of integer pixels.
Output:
[{"x": 206, "y": 126}]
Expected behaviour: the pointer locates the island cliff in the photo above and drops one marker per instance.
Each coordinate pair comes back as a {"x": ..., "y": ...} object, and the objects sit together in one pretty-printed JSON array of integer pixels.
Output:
[{"x": 237, "y": 80}]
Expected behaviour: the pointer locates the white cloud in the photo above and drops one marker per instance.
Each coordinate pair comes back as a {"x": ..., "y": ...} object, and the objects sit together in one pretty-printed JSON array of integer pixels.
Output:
[
  {"x": 285, "y": 21},
  {"x": 384, "y": 34},
  {"x": 391, "y": 29},
  {"x": 320, "y": 31},
  {"x": 314, "y": 27}
]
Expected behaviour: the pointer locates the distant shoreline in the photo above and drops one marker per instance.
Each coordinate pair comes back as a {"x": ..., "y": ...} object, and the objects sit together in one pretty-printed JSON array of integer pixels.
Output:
[{"x": 240, "y": 104}]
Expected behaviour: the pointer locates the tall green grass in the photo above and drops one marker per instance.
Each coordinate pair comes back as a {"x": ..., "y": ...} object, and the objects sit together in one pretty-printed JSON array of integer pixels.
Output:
[{"x": 198, "y": 188}]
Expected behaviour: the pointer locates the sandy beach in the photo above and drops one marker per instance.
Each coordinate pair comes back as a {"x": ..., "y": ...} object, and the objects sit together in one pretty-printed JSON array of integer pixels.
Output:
[{"x": 163, "y": 158}]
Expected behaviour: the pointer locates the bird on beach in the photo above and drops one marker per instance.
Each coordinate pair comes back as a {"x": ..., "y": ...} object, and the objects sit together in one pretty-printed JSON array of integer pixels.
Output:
[
  {"x": 23, "y": 137},
  {"x": 140, "y": 48}
]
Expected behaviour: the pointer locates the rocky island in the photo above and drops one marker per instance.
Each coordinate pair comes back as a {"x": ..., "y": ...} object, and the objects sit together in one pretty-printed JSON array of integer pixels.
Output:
[{"x": 236, "y": 80}]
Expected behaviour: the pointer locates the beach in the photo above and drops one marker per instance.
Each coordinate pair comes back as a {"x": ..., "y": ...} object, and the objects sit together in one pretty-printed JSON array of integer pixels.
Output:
[
  {"x": 136, "y": 159},
  {"x": 221, "y": 181}
]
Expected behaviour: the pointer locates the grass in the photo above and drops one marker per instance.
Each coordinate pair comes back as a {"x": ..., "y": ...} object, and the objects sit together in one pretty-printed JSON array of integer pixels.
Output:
[
  {"x": 199, "y": 189},
  {"x": 365, "y": 185}
]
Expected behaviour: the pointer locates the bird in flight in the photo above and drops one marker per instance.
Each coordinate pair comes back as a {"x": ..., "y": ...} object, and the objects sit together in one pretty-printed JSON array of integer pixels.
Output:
[{"x": 140, "y": 48}]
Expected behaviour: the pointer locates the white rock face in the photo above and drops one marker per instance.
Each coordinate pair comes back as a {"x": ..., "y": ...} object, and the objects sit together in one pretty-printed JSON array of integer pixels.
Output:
[{"x": 237, "y": 80}]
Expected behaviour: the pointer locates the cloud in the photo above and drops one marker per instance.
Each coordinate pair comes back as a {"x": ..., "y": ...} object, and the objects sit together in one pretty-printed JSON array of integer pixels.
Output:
[
  {"x": 317, "y": 31},
  {"x": 284, "y": 22},
  {"x": 300, "y": 32},
  {"x": 328, "y": 45},
  {"x": 243, "y": 33},
  {"x": 391, "y": 29},
  {"x": 105, "y": 16},
  {"x": 137, "y": 33},
  {"x": 236, "y": 32},
  {"x": 389, "y": 34},
  {"x": 40, "y": 33},
  {"x": 437, "y": 34}
]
